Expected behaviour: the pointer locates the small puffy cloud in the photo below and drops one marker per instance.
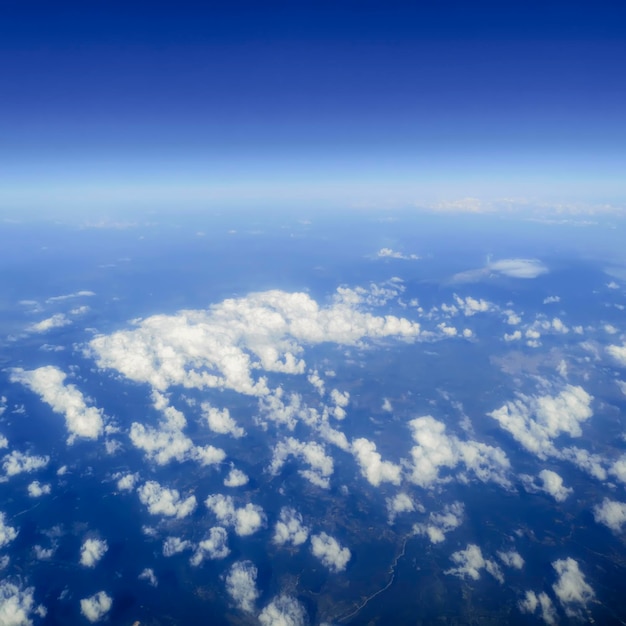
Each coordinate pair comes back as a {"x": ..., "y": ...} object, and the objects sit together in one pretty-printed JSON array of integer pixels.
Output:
[
  {"x": 541, "y": 602},
  {"x": 236, "y": 478},
  {"x": 283, "y": 611},
  {"x": 220, "y": 421},
  {"x": 400, "y": 503},
  {"x": 514, "y": 336},
  {"x": 610, "y": 513},
  {"x": 511, "y": 559},
  {"x": 535, "y": 422},
  {"x": 245, "y": 520},
  {"x": 387, "y": 406},
  {"x": 312, "y": 453},
  {"x": 388, "y": 253},
  {"x": 148, "y": 575},
  {"x": 241, "y": 585},
  {"x": 518, "y": 268},
  {"x": 95, "y": 607},
  {"x": 553, "y": 485},
  {"x": 92, "y": 551},
  {"x": 436, "y": 450},
  {"x": 440, "y": 524},
  {"x": 48, "y": 382},
  {"x": 610, "y": 329},
  {"x": 328, "y": 550},
  {"x": 17, "y": 605},
  {"x": 573, "y": 592},
  {"x": 215, "y": 546},
  {"x": 43, "y": 554},
  {"x": 470, "y": 306},
  {"x": 19, "y": 463},
  {"x": 56, "y": 321},
  {"x": 175, "y": 545},
  {"x": 37, "y": 489},
  {"x": 618, "y": 353},
  {"x": 163, "y": 501},
  {"x": 4, "y": 442},
  {"x": 127, "y": 482},
  {"x": 7, "y": 533},
  {"x": 551, "y": 299},
  {"x": 373, "y": 468},
  {"x": 470, "y": 562},
  {"x": 290, "y": 528}
]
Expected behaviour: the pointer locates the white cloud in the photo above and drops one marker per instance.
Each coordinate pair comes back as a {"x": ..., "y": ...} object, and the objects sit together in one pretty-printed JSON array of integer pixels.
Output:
[
  {"x": 518, "y": 268},
  {"x": 7, "y": 533},
  {"x": 470, "y": 306},
  {"x": 149, "y": 575},
  {"x": 127, "y": 482},
  {"x": 470, "y": 562},
  {"x": 236, "y": 478},
  {"x": 388, "y": 253},
  {"x": 328, "y": 550},
  {"x": 67, "y": 400},
  {"x": 551, "y": 299},
  {"x": 400, "y": 503},
  {"x": 536, "y": 421},
  {"x": 290, "y": 528},
  {"x": 4, "y": 442},
  {"x": 92, "y": 551},
  {"x": 610, "y": 513},
  {"x": 17, "y": 605},
  {"x": 163, "y": 501},
  {"x": 553, "y": 484},
  {"x": 372, "y": 466},
  {"x": 77, "y": 294},
  {"x": 514, "y": 336},
  {"x": 435, "y": 450},
  {"x": 175, "y": 545},
  {"x": 571, "y": 588},
  {"x": 215, "y": 546},
  {"x": 43, "y": 554},
  {"x": 511, "y": 559},
  {"x": 610, "y": 329},
  {"x": 37, "y": 489},
  {"x": 440, "y": 524},
  {"x": 312, "y": 453},
  {"x": 283, "y": 611},
  {"x": 56, "y": 321},
  {"x": 245, "y": 520},
  {"x": 95, "y": 607},
  {"x": 618, "y": 353},
  {"x": 19, "y": 463},
  {"x": 542, "y": 602},
  {"x": 220, "y": 421},
  {"x": 387, "y": 406},
  {"x": 241, "y": 585}
]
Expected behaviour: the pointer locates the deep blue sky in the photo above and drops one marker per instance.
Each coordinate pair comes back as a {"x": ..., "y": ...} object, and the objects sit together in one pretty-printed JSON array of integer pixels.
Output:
[{"x": 356, "y": 103}]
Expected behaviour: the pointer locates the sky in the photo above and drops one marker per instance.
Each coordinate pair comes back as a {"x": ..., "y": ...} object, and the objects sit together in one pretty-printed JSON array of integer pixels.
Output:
[{"x": 354, "y": 104}]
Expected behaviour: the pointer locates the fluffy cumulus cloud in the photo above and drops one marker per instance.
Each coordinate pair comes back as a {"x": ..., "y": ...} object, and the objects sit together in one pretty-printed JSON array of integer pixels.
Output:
[
  {"x": 7, "y": 533},
  {"x": 470, "y": 562},
  {"x": 573, "y": 592},
  {"x": 17, "y": 605},
  {"x": 552, "y": 484},
  {"x": 37, "y": 489},
  {"x": 126, "y": 482},
  {"x": 400, "y": 503},
  {"x": 48, "y": 382},
  {"x": 241, "y": 585},
  {"x": 373, "y": 468},
  {"x": 511, "y": 559},
  {"x": 164, "y": 501},
  {"x": 535, "y": 422},
  {"x": 440, "y": 524},
  {"x": 470, "y": 306},
  {"x": 290, "y": 528},
  {"x": 55, "y": 321},
  {"x": 388, "y": 253},
  {"x": 541, "y": 603},
  {"x": 245, "y": 520},
  {"x": 148, "y": 575},
  {"x": 92, "y": 551},
  {"x": 20, "y": 463},
  {"x": 618, "y": 353},
  {"x": 313, "y": 454},
  {"x": 236, "y": 478},
  {"x": 222, "y": 346},
  {"x": 436, "y": 450},
  {"x": 610, "y": 513},
  {"x": 329, "y": 551},
  {"x": 175, "y": 545},
  {"x": 95, "y": 607},
  {"x": 283, "y": 611},
  {"x": 220, "y": 421},
  {"x": 215, "y": 546}
]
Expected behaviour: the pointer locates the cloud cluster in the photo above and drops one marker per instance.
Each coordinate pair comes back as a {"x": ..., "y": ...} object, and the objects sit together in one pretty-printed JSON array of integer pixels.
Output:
[
  {"x": 175, "y": 545},
  {"x": 164, "y": 501},
  {"x": 329, "y": 551},
  {"x": 95, "y": 607},
  {"x": 436, "y": 450},
  {"x": 440, "y": 524},
  {"x": 7, "y": 533},
  {"x": 541, "y": 602},
  {"x": 245, "y": 520},
  {"x": 18, "y": 462},
  {"x": 37, "y": 489},
  {"x": 573, "y": 592},
  {"x": 215, "y": 546},
  {"x": 313, "y": 454},
  {"x": 92, "y": 551},
  {"x": 511, "y": 559},
  {"x": 283, "y": 611},
  {"x": 373, "y": 468},
  {"x": 17, "y": 605},
  {"x": 241, "y": 585},
  {"x": 470, "y": 562},
  {"x": 290, "y": 528},
  {"x": 610, "y": 513},
  {"x": 48, "y": 382},
  {"x": 388, "y": 253}
]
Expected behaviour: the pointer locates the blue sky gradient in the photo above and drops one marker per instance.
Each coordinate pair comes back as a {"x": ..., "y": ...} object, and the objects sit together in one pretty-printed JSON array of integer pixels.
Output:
[{"x": 339, "y": 103}]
